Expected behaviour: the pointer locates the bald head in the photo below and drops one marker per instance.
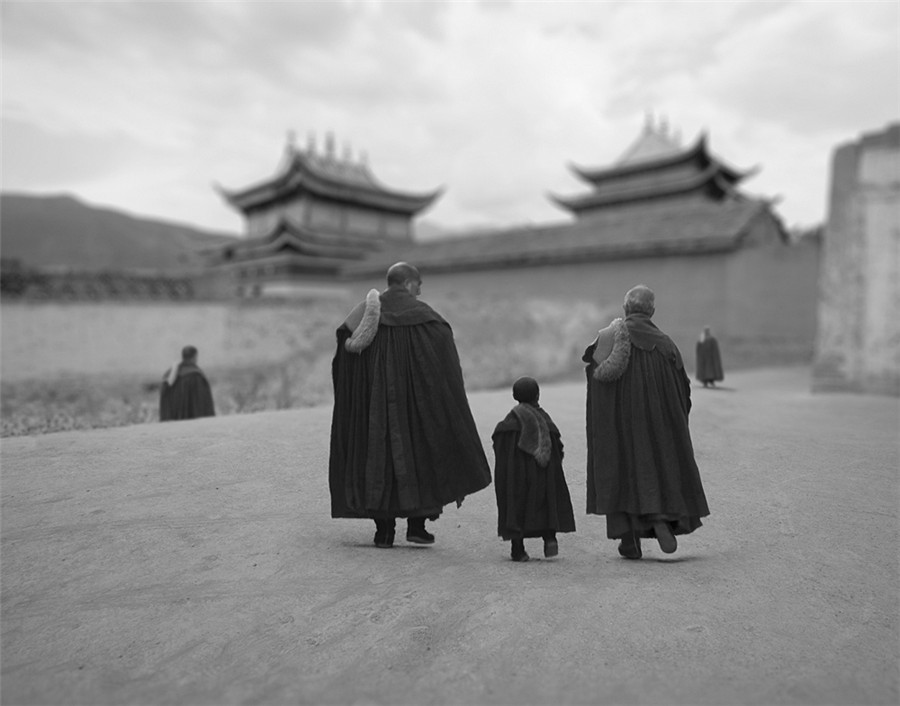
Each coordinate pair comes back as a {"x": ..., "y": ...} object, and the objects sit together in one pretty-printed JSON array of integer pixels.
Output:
[
  {"x": 640, "y": 300},
  {"x": 526, "y": 390},
  {"x": 404, "y": 275}
]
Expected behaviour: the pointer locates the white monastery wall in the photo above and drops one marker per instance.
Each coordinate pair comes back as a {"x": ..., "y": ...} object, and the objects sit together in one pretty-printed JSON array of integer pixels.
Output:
[
  {"x": 759, "y": 301},
  {"x": 858, "y": 337}
]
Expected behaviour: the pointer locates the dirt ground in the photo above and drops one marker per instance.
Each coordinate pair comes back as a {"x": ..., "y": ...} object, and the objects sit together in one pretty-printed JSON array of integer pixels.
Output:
[{"x": 196, "y": 563}]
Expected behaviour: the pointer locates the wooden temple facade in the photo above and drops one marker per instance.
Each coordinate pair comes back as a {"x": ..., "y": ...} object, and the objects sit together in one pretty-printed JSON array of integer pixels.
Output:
[{"x": 304, "y": 225}]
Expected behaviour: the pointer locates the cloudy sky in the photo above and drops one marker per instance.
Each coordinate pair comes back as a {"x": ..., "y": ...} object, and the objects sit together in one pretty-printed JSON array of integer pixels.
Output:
[{"x": 144, "y": 105}]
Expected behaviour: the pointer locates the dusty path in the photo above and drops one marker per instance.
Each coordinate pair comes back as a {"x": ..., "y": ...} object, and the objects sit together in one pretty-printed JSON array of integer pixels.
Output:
[{"x": 195, "y": 563}]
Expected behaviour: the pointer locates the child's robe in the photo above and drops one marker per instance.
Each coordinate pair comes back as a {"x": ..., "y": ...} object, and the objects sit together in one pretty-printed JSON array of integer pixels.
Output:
[{"x": 532, "y": 497}]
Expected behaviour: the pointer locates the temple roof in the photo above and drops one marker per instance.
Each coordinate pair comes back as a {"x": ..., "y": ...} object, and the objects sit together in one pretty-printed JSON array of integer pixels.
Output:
[
  {"x": 287, "y": 238},
  {"x": 684, "y": 229},
  {"x": 713, "y": 182},
  {"x": 328, "y": 177},
  {"x": 655, "y": 165}
]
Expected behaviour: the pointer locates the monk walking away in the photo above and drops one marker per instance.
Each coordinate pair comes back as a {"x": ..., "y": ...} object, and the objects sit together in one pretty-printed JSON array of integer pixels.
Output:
[
  {"x": 185, "y": 392},
  {"x": 403, "y": 440},
  {"x": 641, "y": 471},
  {"x": 709, "y": 361},
  {"x": 532, "y": 496}
]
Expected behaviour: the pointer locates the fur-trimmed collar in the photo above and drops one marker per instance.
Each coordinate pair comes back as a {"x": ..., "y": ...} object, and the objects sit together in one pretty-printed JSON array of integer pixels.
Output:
[
  {"x": 614, "y": 365},
  {"x": 534, "y": 434},
  {"x": 365, "y": 333}
]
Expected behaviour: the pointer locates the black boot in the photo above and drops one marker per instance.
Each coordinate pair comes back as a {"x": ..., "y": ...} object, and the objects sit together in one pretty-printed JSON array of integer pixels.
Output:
[
  {"x": 416, "y": 532},
  {"x": 518, "y": 552},
  {"x": 551, "y": 546},
  {"x": 630, "y": 546},
  {"x": 664, "y": 536},
  {"x": 384, "y": 533}
]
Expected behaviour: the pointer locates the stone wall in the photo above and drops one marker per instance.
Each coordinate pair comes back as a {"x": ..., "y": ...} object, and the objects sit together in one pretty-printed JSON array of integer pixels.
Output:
[
  {"x": 858, "y": 337},
  {"x": 759, "y": 301}
]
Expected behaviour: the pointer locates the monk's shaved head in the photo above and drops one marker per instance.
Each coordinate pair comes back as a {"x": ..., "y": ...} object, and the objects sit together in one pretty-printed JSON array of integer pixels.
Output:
[
  {"x": 188, "y": 353},
  {"x": 640, "y": 300},
  {"x": 401, "y": 273},
  {"x": 526, "y": 389}
]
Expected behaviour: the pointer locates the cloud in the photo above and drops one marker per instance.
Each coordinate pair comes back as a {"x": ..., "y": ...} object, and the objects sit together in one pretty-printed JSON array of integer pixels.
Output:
[{"x": 489, "y": 99}]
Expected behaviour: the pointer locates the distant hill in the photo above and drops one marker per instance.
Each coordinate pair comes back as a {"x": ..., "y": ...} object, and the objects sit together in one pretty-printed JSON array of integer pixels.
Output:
[{"x": 61, "y": 231}]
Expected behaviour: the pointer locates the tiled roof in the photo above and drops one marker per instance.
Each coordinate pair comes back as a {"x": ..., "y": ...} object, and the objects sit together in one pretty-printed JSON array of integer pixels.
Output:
[
  {"x": 653, "y": 160},
  {"x": 650, "y": 145},
  {"x": 287, "y": 238},
  {"x": 678, "y": 229},
  {"x": 712, "y": 181},
  {"x": 328, "y": 177}
]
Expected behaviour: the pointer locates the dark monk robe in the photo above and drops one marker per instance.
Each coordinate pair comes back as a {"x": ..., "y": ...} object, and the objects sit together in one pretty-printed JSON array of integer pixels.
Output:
[
  {"x": 709, "y": 362},
  {"x": 532, "y": 495},
  {"x": 641, "y": 469},
  {"x": 185, "y": 393},
  {"x": 403, "y": 440}
]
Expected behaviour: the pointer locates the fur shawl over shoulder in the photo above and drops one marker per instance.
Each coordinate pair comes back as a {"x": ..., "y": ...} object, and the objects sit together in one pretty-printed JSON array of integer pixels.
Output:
[
  {"x": 613, "y": 366},
  {"x": 365, "y": 332}
]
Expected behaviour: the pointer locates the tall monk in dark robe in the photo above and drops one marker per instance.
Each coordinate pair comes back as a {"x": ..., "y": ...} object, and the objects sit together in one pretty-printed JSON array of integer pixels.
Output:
[
  {"x": 532, "y": 495},
  {"x": 641, "y": 469},
  {"x": 185, "y": 392},
  {"x": 403, "y": 440},
  {"x": 709, "y": 362}
]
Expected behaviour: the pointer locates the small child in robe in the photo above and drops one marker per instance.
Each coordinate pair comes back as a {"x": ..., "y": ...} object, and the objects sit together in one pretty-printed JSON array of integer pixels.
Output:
[{"x": 532, "y": 495}]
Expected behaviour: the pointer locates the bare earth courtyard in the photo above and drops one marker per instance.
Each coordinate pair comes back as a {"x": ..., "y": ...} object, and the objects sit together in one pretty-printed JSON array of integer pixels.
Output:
[{"x": 196, "y": 563}]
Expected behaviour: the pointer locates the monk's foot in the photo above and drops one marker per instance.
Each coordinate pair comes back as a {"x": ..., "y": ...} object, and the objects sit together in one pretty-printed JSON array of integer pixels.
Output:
[
  {"x": 630, "y": 546},
  {"x": 551, "y": 548},
  {"x": 518, "y": 552},
  {"x": 416, "y": 532},
  {"x": 384, "y": 534},
  {"x": 664, "y": 536}
]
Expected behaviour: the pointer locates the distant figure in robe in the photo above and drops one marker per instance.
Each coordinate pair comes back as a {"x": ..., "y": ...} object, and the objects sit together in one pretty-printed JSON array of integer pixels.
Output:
[
  {"x": 532, "y": 495},
  {"x": 709, "y": 362},
  {"x": 403, "y": 439},
  {"x": 641, "y": 469},
  {"x": 185, "y": 391}
]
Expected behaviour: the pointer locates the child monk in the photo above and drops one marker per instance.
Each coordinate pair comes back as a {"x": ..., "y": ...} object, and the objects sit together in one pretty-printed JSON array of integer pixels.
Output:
[{"x": 532, "y": 495}]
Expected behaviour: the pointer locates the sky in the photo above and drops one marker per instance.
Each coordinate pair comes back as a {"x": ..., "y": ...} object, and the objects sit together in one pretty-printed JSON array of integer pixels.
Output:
[{"x": 146, "y": 106}]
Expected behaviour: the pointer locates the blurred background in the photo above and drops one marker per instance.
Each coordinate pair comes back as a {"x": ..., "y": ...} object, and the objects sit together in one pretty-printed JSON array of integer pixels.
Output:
[{"x": 236, "y": 176}]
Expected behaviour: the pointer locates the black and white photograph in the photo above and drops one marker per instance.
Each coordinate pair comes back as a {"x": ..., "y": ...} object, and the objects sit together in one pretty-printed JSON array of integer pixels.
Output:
[{"x": 477, "y": 352}]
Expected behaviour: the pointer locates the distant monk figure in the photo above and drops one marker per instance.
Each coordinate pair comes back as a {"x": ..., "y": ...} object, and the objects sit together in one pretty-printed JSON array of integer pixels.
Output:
[
  {"x": 641, "y": 469},
  {"x": 403, "y": 440},
  {"x": 185, "y": 391},
  {"x": 532, "y": 496},
  {"x": 709, "y": 362}
]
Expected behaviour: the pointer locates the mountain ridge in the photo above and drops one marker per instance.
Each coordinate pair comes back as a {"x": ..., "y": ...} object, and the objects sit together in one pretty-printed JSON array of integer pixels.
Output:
[{"x": 62, "y": 230}]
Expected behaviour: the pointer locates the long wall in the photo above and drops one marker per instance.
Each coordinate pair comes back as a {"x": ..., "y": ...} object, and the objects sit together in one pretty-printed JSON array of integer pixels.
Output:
[
  {"x": 759, "y": 301},
  {"x": 144, "y": 338}
]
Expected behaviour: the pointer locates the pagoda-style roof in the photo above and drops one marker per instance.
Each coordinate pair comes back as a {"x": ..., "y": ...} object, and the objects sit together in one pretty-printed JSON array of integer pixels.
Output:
[
  {"x": 289, "y": 241},
  {"x": 689, "y": 228},
  {"x": 326, "y": 176},
  {"x": 655, "y": 166},
  {"x": 711, "y": 182}
]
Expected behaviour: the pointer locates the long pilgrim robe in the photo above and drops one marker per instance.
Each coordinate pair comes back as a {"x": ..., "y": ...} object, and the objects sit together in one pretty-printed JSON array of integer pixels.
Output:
[
  {"x": 188, "y": 397},
  {"x": 641, "y": 465},
  {"x": 532, "y": 498},
  {"x": 403, "y": 439},
  {"x": 709, "y": 361}
]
